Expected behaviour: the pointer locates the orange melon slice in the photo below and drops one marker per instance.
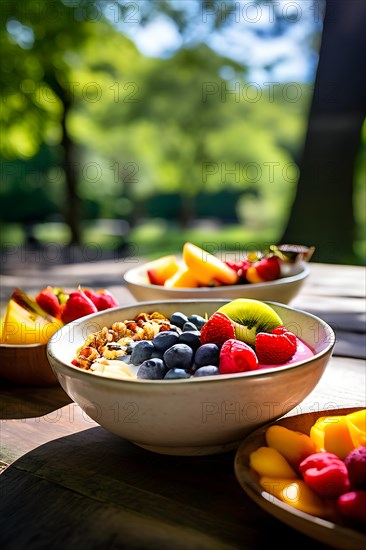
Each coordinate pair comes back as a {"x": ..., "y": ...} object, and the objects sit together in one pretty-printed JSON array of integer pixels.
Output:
[{"x": 206, "y": 267}]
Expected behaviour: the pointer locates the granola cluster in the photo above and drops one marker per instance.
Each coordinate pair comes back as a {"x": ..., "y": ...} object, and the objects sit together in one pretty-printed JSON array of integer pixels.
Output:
[{"x": 111, "y": 343}]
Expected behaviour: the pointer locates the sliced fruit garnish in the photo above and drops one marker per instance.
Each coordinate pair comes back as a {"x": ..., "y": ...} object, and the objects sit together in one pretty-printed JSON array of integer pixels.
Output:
[
  {"x": 25, "y": 322},
  {"x": 250, "y": 317},
  {"x": 182, "y": 278},
  {"x": 206, "y": 267},
  {"x": 161, "y": 269}
]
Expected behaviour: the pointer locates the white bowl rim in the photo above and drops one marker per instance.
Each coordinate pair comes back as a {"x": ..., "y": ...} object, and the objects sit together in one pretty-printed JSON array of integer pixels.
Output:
[
  {"x": 192, "y": 380},
  {"x": 129, "y": 274}
]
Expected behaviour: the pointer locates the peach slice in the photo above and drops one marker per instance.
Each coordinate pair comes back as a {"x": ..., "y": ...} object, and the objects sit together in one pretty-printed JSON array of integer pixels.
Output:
[
  {"x": 182, "y": 278},
  {"x": 206, "y": 267},
  {"x": 292, "y": 445},
  {"x": 158, "y": 271}
]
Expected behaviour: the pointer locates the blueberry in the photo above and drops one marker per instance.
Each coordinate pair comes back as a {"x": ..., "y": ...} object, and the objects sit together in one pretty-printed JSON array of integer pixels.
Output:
[
  {"x": 189, "y": 326},
  {"x": 197, "y": 320},
  {"x": 174, "y": 374},
  {"x": 142, "y": 351},
  {"x": 157, "y": 354},
  {"x": 208, "y": 354},
  {"x": 178, "y": 319},
  {"x": 152, "y": 369},
  {"x": 179, "y": 356},
  {"x": 207, "y": 370},
  {"x": 165, "y": 340},
  {"x": 176, "y": 329},
  {"x": 191, "y": 338}
]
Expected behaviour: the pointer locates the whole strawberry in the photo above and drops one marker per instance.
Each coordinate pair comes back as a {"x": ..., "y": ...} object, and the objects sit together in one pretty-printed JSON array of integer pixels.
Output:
[
  {"x": 275, "y": 348},
  {"x": 78, "y": 305},
  {"x": 48, "y": 301},
  {"x": 102, "y": 299},
  {"x": 266, "y": 269},
  {"x": 217, "y": 329}
]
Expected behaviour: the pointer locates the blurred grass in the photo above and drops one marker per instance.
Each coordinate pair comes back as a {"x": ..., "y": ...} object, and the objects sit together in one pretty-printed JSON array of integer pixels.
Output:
[{"x": 153, "y": 238}]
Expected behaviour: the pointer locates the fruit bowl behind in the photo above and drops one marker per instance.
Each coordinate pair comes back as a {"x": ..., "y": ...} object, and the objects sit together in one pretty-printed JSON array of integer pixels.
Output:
[
  {"x": 26, "y": 364},
  {"x": 194, "y": 416},
  {"x": 282, "y": 290}
]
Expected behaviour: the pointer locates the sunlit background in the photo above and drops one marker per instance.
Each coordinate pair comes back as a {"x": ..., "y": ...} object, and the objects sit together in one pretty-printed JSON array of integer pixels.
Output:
[{"x": 141, "y": 125}]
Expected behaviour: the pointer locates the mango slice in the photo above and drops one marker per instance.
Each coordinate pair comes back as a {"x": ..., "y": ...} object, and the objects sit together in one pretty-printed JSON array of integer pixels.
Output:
[
  {"x": 293, "y": 446},
  {"x": 206, "y": 267},
  {"x": 158, "y": 271},
  {"x": 296, "y": 493},
  {"x": 356, "y": 423},
  {"x": 331, "y": 433},
  {"x": 267, "y": 461},
  {"x": 183, "y": 278}
]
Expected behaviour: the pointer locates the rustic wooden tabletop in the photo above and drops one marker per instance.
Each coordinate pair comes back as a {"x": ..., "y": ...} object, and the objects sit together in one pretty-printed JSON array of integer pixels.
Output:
[{"x": 68, "y": 483}]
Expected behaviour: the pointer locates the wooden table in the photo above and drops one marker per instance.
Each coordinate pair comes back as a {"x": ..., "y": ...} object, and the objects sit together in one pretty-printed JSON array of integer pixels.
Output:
[{"x": 68, "y": 483}]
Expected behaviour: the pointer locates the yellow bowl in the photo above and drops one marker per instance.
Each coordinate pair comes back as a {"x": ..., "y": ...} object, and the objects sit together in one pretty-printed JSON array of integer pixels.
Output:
[{"x": 26, "y": 364}]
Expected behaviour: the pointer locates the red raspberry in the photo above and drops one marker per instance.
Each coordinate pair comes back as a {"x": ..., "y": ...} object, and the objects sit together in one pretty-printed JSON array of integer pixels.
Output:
[
  {"x": 356, "y": 466},
  {"x": 217, "y": 329},
  {"x": 236, "y": 356},
  {"x": 275, "y": 349}
]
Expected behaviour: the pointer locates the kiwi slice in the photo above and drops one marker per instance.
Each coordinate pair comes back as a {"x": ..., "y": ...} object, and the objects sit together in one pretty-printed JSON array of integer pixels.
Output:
[{"x": 250, "y": 317}]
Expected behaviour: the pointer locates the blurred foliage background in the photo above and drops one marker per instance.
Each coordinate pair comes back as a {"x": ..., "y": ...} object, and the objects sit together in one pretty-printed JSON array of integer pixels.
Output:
[{"x": 109, "y": 141}]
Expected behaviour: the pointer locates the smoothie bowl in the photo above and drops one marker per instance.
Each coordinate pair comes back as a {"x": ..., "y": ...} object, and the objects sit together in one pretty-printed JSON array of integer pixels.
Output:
[{"x": 190, "y": 378}]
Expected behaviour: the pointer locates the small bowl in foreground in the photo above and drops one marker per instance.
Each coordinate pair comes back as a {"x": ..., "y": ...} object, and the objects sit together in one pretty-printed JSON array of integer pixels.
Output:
[
  {"x": 194, "y": 416},
  {"x": 281, "y": 290},
  {"x": 325, "y": 531},
  {"x": 26, "y": 364}
]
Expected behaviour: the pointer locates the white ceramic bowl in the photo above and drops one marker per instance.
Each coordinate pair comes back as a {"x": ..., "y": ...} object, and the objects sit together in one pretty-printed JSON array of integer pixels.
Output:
[
  {"x": 194, "y": 416},
  {"x": 281, "y": 290}
]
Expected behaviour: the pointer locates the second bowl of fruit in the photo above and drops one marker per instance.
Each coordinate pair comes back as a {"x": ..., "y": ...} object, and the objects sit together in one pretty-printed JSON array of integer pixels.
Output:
[
  {"x": 30, "y": 321},
  {"x": 277, "y": 273},
  {"x": 191, "y": 377}
]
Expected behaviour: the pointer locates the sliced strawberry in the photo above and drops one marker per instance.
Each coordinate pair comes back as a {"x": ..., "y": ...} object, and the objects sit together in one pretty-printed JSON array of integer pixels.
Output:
[
  {"x": 241, "y": 268},
  {"x": 237, "y": 356},
  {"x": 275, "y": 349},
  {"x": 269, "y": 269},
  {"x": 217, "y": 329}
]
